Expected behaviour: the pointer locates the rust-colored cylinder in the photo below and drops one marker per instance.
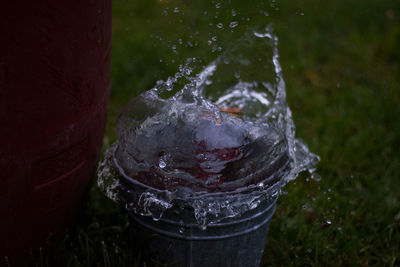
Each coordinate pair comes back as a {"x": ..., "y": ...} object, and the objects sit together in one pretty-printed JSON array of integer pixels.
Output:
[{"x": 54, "y": 90}]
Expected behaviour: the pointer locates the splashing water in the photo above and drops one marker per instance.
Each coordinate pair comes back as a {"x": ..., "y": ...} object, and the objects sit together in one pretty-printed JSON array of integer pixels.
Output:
[{"x": 220, "y": 142}]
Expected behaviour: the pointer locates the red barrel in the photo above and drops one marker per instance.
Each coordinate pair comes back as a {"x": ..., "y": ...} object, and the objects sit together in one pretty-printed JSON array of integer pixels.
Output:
[{"x": 54, "y": 90}]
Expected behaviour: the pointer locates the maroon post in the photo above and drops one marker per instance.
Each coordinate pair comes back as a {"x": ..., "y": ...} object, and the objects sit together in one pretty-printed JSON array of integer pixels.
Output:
[{"x": 54, "y": 89}]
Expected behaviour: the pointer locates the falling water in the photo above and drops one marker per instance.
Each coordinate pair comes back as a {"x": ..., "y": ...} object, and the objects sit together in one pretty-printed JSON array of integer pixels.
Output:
[{"x": 220, "y": 141}]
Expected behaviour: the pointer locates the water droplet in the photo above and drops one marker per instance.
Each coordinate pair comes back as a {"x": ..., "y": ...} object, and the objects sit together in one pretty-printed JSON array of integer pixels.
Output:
[
  {"x": 188, "y": 71},
  {"x": 218, "y": 5},
  {"x": 174, "y": 49},
  {"x": 316, "y": 177},
  {"x": 233, "y": 13},
  {"x": 181, "y": 230},
  {"x": 233, "y": 24},
  {"x": 176, "y": 10},
  {"x": 162, "y": 164},
  {"x": 339, "y": 228},
  {"x": 309, "y": 250},
  {"x": 328, "y": 222},
  {"x": 220, "y": 25}
]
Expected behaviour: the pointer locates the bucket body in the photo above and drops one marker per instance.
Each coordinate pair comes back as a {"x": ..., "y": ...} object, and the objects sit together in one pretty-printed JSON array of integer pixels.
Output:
[
  {"x": 176, "y": 240},
  {"x": 54, "y": 90},
  {"x": 169, "y": 233}
]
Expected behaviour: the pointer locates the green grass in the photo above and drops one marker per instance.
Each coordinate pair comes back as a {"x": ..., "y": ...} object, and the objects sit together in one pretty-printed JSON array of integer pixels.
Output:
[{"x": 341, "y": 66}]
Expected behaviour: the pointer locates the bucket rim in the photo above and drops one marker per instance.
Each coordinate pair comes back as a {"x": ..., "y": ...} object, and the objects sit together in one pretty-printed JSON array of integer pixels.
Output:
[
  {"x": 157, "y": 230},
  {"x": 223, "y": 224}
]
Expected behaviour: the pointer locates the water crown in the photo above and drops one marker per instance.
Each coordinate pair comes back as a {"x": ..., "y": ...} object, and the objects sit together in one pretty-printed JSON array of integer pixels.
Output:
[{"x": 219, "y": 142}]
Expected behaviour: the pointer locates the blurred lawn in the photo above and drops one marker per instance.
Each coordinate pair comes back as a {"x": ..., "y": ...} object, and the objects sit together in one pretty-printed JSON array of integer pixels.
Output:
[{"x": 341, "y": 66}]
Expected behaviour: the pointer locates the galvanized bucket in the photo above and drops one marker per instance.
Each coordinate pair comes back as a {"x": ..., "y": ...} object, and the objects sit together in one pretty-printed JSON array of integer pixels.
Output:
[{"x": 177, "y": 240}]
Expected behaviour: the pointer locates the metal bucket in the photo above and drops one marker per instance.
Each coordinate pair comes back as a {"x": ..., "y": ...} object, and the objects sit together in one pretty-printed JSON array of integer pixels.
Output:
[{"x": 177, "y": 240}]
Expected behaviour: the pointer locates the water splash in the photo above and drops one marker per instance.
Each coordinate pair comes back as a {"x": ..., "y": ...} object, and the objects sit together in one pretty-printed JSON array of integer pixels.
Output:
[{"x": 219, "y": 142}]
